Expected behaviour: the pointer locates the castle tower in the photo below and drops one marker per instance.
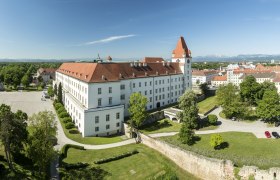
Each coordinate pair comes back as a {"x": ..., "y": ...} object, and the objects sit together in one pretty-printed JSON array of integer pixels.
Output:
[{"x": 182, "y": 55}]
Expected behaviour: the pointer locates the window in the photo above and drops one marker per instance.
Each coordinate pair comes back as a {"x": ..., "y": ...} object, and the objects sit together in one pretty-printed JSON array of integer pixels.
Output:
[
  {"x": 96, "y": 119},
  {"x": 110, "y": 100},
  {"x": 118, "y": 124},
  {"x": 145, "y": 92},
  {"x": 167, "y": 80},
  {"x": 110, "y": 89},
  {"x": 156, "y": 82},
  {"x": 156, "y": 98},
  {"x": 139, "y": 84},
  {"x": 99, "y": 90},
  {"x": 133, "y": 85},
  {"x": 123, "y": 97},
  {"x": 107, "y": 126},
  {"x": 145, "y": 83},
  {"x": 150, "y": 83},
  {"x": 107, "y": 117},
  {"x": 150, "y": 91},
  {"x": 159, "y": 81},
  {"x": 150, "y": 99},
  {"x": 118, "y": 115},
  {"x": 99, "y": 102},
  {"x": 156, "y": 90},
  {"x": 122, "y": 86},
  {"x": 96, "y": 129}
]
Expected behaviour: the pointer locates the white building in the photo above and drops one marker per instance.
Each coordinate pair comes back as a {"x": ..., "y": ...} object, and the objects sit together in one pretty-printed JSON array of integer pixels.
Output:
[
  {"x": 96, "y": 95},
  {"x": 203, "y": 76}
]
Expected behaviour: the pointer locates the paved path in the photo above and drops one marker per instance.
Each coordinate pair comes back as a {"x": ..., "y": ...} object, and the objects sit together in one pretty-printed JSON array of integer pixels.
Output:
[{"x": 257, "y": 128}]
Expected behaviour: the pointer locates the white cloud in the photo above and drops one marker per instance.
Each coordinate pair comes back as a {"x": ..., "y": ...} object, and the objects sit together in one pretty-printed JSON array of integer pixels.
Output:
[{"x": 109, "y": 39}]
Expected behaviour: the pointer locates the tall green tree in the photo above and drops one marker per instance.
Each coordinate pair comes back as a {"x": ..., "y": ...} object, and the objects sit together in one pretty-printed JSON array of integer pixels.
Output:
[
  {"x": 137, "y": 109},
  {"x": 40, "y": 146},
  {"x": 249, "y": 89},
  {"x": 25, "y": 81},
  {"x": 269, "y": 107},
  {"x": 59, "y": 93},
  {"x": 55, "y": 89},
  {"x": 228, "y": 97},
  {"x": 266, "y": 85},
  {"x": 204, "y": 89},
  {"x": 50, "y": 91},
  {"x": 188, "y": 116},
  {"x": 13, "y": 131}
]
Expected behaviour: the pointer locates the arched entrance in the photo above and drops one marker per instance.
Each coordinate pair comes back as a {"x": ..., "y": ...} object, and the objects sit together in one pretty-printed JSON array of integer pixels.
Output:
[{"x": 158, "y": 105}]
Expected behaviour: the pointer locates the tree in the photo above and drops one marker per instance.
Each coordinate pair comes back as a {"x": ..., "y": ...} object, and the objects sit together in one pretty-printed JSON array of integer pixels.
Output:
[
  {"x": 229, "y": 98},
  {"x": 13, "y": 131},
  {"x": 249, "y": 88},
  {"x": 204, "y": 89},
  {"x": 40, "y": 145},
  {"x": 212, "y": 118},
  {"x": 269, "y": 107},
  {"x": 266, "y": 85},
  {"x": 188, "y": 116},
  {"x": 55, "y": 89},
  {"x": 59, "y": 93},
  {"x": 25, "y": 81},
  {"x": 137, "y": 109},
  {"x": 188, "y": 105},
  {"x": 216, "y": 140},
  {"x": 50, "y": 91}
]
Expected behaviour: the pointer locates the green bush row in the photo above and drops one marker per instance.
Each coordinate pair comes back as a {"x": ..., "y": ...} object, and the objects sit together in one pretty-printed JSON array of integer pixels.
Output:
[
  {"x": 63, "y": 153},
  {"x": 69, "y": 125},
  {"x": 101, "y": 161},
  {"x": 77, "y": 165}
]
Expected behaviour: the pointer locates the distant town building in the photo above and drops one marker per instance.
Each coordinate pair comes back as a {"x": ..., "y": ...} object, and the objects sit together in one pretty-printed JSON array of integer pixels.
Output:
[
  {"x": 203, "y": 76},
  {"x": 47, "y": 74},
  {"x": 96, "y": 94}
]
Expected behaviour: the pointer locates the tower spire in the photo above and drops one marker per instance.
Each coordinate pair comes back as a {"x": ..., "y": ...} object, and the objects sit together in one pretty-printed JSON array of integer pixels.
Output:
[{"x": 181, "y": 50}]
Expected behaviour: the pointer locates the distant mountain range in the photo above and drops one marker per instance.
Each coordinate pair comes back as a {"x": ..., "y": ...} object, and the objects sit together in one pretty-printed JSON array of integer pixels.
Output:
[
  {"x": 210, "y": 58},
  {"x": 238, "y": 58}
]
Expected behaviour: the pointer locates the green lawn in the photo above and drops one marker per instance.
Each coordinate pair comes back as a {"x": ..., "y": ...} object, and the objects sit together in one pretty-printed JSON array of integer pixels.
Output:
[
  {"x": 91, "y": 140},
  {"x": 243, "y": 149},
  {"x": 146, "y": 164},
  {"x": 164, "y": 125},
  {"x": 207, "y": 104}
]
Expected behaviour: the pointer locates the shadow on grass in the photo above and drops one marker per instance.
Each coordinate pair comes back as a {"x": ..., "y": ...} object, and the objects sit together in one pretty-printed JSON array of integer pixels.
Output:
[
  {"x": 156, "y": 125},
  {"x": 222, "y": 146}
]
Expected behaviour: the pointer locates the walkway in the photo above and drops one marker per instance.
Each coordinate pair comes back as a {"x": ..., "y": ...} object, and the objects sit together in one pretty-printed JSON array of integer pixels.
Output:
[{"x": 257, "y": 128}]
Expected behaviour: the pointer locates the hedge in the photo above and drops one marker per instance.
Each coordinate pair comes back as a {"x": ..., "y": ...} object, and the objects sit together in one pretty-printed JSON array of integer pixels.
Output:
[
  {"x": 212, "y": 118},
  {"x": 66, "y": 120},
  {"x": 60, "y": 110},
  {"x": 69, "y": 125},
  {"x": 57, "y": 106},
  {"x": 63, "y": 115},
  {"x": 101, "y": 161},
  {"x": 73, "y": 131},
  {"x": 63, "y": 153},
  {"x": 75, "y": 165}
]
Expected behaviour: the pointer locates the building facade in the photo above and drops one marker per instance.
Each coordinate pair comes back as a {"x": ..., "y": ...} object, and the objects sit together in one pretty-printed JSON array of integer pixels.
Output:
[{"x": 96, "y": 95}]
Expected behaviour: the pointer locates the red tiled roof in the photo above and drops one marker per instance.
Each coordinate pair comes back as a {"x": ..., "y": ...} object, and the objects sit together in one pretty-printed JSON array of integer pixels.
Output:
[
  {"x": 152, "y": 59},
  {"x": 181, "y": 49},
  {"x": 104, "y": 72},
  {"x": 203, "y": 72},
  {"x": 219, "y": 78}
]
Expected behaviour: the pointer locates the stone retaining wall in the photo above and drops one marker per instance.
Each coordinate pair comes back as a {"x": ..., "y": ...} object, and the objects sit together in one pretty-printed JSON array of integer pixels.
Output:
[{"x": 200, "y": 166}]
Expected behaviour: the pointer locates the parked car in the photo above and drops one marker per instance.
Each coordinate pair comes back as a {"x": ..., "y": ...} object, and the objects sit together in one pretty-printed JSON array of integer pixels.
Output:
[
  {"x": 277, "y": 124},
  {"x": 275, "y": 134},
  {"x": 233, "y": 118},
  {"x": 267, "y": 134}
]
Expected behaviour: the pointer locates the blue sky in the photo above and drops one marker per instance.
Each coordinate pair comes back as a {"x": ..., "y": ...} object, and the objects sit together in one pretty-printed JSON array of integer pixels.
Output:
[{"x": 136, "y": 28}]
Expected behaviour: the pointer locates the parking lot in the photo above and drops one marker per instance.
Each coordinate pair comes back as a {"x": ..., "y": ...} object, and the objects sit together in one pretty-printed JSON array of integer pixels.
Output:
[{"x": 29, "y": 102}]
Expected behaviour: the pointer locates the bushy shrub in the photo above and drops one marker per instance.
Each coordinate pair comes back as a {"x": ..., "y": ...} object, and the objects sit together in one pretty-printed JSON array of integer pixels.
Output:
[
  {"x": 73, "y": 131},
  {"x": 101, "y": 161},
  {"x": 216, "y": 140},
  {"x": 63, "y": 115},
  {"x": 69, "y": 125},
  {"x": 212, "y": 118},
  {"x": 66, "y": 120},
  {"x": 60, "y": 110},
  {"x": 40, "y": 88},
  {"x": 57, "y": 106}
]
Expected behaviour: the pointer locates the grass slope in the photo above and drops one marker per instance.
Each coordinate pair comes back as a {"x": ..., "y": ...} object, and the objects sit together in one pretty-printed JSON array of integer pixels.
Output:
[
  {"x": 146, "y": 164},
  {"x": 243, "y": 149},
  {"x": 207, "y": 104}
]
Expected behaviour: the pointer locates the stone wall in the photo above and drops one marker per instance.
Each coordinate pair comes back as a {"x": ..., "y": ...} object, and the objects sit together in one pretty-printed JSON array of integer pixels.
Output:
[
  {"x": 153, "y": 117},
  {"x": 208, "y": 168},
  {"x": 126, "y": 130},
  {"x": 200, "y": 166}
]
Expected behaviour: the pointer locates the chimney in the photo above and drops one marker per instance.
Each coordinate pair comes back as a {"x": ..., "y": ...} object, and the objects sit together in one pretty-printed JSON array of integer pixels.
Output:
[
  {"x": 131, "y": 64},
  {"x": 146, "y": 74},
  {"x": 133, "y": 74},
  {"x": 157, "y": 73},
  {"x": 103, "y": 77},
  {"x": 163, "y": 63},
  {"x": 120, "y": 75},
  {"x": 166, "y": 72}
]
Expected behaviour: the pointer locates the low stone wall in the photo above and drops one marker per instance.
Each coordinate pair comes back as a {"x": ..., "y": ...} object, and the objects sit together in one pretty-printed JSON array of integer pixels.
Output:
[
  {"x": 200, "y": 166},
  {"x": 126, "y": 130},
  {"x": 259, "y": 174},
  {"x": 153, "y": 117}
]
